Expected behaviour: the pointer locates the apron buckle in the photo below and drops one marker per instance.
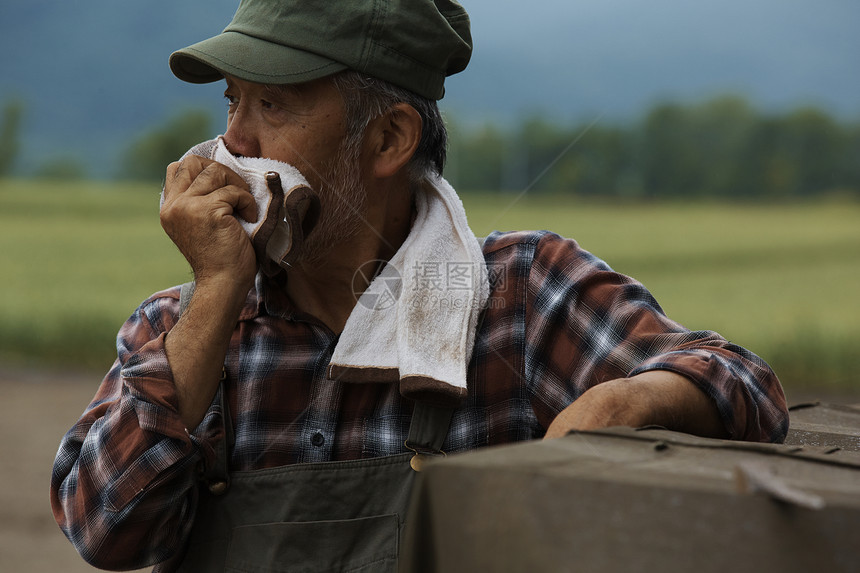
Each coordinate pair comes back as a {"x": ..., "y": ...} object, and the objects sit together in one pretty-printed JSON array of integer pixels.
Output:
[
  {"x": 422, "y": 455},
  {"x": 218, "y": 487}
]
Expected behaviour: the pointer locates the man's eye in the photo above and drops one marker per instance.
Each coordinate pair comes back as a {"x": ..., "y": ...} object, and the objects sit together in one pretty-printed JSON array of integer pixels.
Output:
[
  {"x": 266, "y": 105},
  {"x": 231, "y": 100}
]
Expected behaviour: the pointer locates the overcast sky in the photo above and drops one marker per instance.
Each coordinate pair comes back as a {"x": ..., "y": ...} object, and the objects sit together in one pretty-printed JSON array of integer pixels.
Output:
[
  {"x": 96, "y": 70},
  {"x": 617, "y": 56}
]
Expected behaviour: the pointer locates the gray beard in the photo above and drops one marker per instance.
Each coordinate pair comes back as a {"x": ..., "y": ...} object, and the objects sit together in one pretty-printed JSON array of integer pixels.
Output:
[{"x": 343, "y": 203}]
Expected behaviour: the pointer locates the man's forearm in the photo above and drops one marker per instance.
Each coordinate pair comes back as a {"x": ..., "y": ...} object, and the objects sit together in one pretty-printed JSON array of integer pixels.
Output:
[
  {"x": 197, "y": 344},
  {"x": 656, "y": 397}
]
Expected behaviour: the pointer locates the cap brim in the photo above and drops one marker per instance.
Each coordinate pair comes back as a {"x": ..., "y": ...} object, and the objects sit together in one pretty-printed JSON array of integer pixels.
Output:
[{"x": 249, "y": 58}]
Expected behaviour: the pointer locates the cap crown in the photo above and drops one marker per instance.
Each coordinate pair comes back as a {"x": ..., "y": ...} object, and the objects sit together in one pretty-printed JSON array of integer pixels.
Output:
[{"x": 411, "y": 43}]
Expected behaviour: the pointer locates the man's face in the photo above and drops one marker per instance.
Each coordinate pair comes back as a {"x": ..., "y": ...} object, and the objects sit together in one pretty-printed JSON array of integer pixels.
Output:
[{"x": 303, "y": 125}]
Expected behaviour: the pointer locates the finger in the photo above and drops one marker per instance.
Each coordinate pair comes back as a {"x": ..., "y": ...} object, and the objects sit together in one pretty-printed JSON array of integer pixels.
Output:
[
  {"x": 173, "y": 170},
  {"x": 240, "y": 201},
  {"x": 246, "y": 206},
  {"x": 181, "y": 174},
  {"x": 214, "y": 176},
  {"x": 176, "y": 180},
  {"x": 190, "y": 166}
]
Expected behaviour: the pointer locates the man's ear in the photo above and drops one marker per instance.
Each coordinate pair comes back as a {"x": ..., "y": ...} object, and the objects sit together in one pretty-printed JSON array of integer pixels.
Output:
[{"x": 394, "y": 137}]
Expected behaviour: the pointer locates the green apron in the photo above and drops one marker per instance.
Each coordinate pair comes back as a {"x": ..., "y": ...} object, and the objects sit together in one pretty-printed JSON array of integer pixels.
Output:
[{"x": 329, "y": 516}]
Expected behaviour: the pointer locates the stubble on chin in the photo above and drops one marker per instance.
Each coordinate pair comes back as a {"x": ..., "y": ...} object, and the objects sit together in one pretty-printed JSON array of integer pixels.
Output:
[{"x": 342, "y": 210}]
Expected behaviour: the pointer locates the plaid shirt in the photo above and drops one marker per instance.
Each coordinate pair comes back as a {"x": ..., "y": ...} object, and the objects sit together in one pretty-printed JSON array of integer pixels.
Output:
[{"x": 558, "y": 321}]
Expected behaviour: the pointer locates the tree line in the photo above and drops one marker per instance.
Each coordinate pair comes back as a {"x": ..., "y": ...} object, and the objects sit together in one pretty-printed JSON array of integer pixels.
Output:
[
  {"x": 723, "y": 147},
  {"x": 719, "y": 148}
]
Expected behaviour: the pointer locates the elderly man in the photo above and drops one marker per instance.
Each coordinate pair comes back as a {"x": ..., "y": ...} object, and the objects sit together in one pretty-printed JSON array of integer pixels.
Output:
[{"x": 276, "y": 419}]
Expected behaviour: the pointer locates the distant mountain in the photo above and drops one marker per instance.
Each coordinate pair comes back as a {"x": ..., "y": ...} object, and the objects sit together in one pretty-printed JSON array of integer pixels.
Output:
[{"x": 94, "y": 73}]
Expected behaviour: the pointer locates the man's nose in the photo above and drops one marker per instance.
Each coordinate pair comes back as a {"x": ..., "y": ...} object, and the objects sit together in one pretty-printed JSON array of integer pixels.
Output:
[{"x": 240, "y": 137}]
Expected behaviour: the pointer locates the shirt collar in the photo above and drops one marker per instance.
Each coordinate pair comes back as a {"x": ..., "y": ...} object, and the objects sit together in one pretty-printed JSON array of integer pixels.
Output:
[{"x": 269, "y": 297}]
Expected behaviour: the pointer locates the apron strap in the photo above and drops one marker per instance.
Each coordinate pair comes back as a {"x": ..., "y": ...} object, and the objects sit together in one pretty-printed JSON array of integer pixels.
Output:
[
  {"x": 217, "y": 477},
  {"x": 427, "y": 432}
]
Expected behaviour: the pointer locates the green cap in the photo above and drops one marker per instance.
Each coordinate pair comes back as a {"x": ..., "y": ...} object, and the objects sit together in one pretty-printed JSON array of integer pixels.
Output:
[{"x": 414, "y": 44}]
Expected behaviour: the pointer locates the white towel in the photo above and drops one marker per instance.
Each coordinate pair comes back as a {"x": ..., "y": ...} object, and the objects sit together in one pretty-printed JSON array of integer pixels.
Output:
[
  {"x": 271, "y": 235},
  {"x": 416, "y": 321}
]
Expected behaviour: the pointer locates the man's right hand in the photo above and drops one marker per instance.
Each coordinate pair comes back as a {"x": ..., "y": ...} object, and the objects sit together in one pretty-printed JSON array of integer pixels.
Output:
[{"x": 201, "y": 199}]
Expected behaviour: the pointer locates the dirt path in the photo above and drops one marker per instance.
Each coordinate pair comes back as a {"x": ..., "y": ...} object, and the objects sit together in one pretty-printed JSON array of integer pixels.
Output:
[{"x": 36, "y": 409}]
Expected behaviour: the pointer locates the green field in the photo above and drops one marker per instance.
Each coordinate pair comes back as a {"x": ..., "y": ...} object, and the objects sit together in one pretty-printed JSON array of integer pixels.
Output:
[{"x": 782, "y": 280}]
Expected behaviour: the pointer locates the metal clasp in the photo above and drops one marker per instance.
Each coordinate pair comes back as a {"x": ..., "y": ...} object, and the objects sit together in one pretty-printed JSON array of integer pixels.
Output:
[{"x": 422, "y": 455}]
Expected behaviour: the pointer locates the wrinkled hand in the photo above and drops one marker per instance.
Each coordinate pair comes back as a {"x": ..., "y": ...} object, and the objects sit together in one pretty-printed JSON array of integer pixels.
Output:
[
  {"x": 611, "y": 403},
  {"x": 201, "y": 199},
  {"x": 657, "y": 397}
]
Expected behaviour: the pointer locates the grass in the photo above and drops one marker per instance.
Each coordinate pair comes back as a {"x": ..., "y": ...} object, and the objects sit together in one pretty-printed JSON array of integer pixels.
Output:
[
  {"x": 782, "y": 280},
  {"x": 77, "y": 259}
]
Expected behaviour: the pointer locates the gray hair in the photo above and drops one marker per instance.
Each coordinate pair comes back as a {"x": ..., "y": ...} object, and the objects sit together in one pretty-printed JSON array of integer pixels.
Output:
[{"x": 366, "y": 98}]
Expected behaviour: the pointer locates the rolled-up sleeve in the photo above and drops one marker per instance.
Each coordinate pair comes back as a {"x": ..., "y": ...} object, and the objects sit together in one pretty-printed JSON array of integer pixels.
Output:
[
  {"x": 122, "y": 487},
  {"x": 588, "y": 324}
]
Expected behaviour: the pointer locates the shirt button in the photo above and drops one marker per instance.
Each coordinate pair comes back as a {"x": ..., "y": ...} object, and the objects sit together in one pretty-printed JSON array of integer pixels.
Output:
[{"x": 318, "y": 439}]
